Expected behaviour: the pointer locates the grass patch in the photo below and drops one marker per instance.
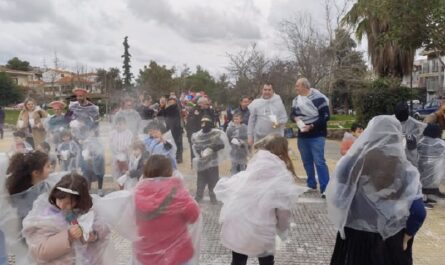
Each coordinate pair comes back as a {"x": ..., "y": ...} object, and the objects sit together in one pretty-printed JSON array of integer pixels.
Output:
[
  {"x": 343, "y": 118},
  {"x": 11, "y": 116}
]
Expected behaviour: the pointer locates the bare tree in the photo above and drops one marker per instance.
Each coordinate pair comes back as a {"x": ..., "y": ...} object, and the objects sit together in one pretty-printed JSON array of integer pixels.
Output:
[{"x": 308, "y": 47}]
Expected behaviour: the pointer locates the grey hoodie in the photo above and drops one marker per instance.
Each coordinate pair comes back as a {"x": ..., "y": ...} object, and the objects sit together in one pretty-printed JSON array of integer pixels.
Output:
[{"x": 260, "y": 123}]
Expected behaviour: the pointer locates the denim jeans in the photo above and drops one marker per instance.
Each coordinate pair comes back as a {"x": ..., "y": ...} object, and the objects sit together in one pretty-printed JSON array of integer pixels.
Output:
[{"x": 312, "y": 152}]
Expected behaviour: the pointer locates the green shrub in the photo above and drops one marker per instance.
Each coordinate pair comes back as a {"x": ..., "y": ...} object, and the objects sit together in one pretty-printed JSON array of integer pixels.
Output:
[{"x": 380, "y": 97}]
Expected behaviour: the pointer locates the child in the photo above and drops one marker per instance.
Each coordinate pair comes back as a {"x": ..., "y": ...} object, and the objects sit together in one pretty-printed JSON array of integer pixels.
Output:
[
  {"x": 156, "y": 144},
  {"x": 237, "y": 134},
  {"x": 349, "y": 138},
  {"x": 92, "y": 161},
  {"x": 20, "y": 144},
  {"x": 258, "y": 202},
  {"x": 121, "y": 139},
  {"x": 138, "y": 158},
  {"x": 162, "y": 227},
  {"x": 431, "y": 150},
  {"x": 46, "y": 148},
  {"x": 62, "y": 228},
  {"x": 210, "y": 147},
  {"x": 69, "y": 153}
]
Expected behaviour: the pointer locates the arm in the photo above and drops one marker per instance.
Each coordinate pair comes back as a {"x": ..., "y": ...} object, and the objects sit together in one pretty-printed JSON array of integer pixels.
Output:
[
  {"x": 191, "y": 210},
  {"x": 417, "y": 215},
  {"x": 432, "y": 118},
  {"x": 46, "y": 249},
  {"x": 282, "y": 117},
  {"x": 323, "y": 116}
]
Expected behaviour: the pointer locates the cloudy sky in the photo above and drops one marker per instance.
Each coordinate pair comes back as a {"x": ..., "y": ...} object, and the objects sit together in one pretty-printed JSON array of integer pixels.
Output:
[{"x": 171, "y": 32}]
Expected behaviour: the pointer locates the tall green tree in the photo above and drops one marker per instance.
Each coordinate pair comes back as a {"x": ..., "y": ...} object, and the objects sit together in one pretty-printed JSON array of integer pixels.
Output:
[
  {"x": 10, "y": 93},
  {"x": 156, "y": 79},
  {"x": 128, "y": 76},
  {"x": 17, "y": 64}
]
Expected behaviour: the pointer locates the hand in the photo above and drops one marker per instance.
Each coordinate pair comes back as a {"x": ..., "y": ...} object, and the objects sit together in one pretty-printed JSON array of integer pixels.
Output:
[
  {"x": 406, "y": 239},
  {"x": 250, "y": 140},
  {"x": 92, "y": 237},
  {"x": 74, "y": 233},
  {"x": 307, "y": 128},
  {"x": 296, "y": 119}
]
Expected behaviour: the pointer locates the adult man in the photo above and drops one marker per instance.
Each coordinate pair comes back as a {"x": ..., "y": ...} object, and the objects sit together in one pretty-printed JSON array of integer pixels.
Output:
[
  {"x": 242, "y": 109},
  {"x": 172, "y": 117},
  {"x": 310, "y": 110},
  {"x": 438, "y": 117},
  {"x": 82, "y": 115},
  {"x": 145, "y": 110},
  {"x": 131, "y": 116},
  {"x": 267, "y": 115},
  {"x": 193, "y": 123}
]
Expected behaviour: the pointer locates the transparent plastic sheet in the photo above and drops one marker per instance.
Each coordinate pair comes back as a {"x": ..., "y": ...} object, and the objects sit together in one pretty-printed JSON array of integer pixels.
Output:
[
  {"x": 55, "y": 126},
  {"x": 14, "y": 210},
  {"x": 307, "y": 108},
  {"x": 413, "y": 128},
  {"x": 369, "y": 198},
  {"x": 120, "y": 143},
  {"x": 210, "y": 149},
  {"x": 132, "y": 118},
  {"x": 92, "y": 161},
  {"x": 70, "y": 156},
  {"x": 159, "y": 218},
  {"x": 251, "y": 199},
  {"x": 431, "y": 161},
  {"x": 153, "y": 146},
  {"x": 46, "y": 232},
  {"x": 237, "y": 136}
]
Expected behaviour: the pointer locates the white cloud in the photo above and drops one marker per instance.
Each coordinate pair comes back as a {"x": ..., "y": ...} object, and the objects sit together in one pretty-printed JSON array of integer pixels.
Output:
[{"x": 172, "y": 32}]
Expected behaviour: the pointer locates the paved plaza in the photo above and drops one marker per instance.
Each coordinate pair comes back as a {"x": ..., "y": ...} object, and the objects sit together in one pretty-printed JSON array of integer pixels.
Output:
[{"x": 312, "y": 237}]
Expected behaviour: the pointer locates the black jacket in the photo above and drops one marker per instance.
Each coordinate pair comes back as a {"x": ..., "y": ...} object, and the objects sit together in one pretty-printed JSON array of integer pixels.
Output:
[{"x": 194, "y": 119}]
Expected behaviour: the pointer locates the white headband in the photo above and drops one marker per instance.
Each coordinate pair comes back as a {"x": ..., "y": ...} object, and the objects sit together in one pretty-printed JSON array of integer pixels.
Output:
[{"x": 68, "y": 191}]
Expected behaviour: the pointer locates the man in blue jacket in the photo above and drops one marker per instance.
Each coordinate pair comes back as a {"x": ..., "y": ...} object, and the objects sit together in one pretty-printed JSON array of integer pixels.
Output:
[{"x": 310, "y": 110}]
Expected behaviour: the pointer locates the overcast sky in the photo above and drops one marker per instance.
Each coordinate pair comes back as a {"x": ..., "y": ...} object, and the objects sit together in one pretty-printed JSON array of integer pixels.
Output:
[{"x": 171, "y": 32}]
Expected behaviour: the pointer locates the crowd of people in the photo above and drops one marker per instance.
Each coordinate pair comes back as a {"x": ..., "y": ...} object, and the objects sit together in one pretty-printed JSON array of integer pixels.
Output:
[{"x": 390, "y": 170}]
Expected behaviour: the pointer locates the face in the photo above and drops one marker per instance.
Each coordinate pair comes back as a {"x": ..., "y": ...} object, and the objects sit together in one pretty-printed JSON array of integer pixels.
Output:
[
  {"x": 357, "y": 132},
  {"x": 30, "y": 105},
  {"x": 80, "y": 98},
  {"x": 237, "y": 120},
  {"x": 58, "y": 111},
  {"x": 204, "y": 104},
  {"x": 147, "y": 102},
  {"x": 66, "y": 138},
  {"x": 155, "y": 133},
  {"x": 43, "y": 174},
  {"x": 267, "y": 91},
  {"x": 65, "y": 204},
  {"x": 300, "y": 89},
  {"x": 18, "y": 140},
  {"x": 244, "y": 103},
  {"x": 137, "y": 152},
  {"x": 128, "y": 104}
]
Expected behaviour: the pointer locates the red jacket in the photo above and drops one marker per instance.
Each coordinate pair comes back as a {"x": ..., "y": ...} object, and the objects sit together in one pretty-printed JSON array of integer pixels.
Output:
[{"x": 164, "y": 208}]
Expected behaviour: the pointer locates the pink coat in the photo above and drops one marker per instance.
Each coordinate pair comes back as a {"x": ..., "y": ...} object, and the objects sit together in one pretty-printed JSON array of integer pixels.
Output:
[
  {"x": 46, "y": 232},
  {"x": 164, "y": 208}
]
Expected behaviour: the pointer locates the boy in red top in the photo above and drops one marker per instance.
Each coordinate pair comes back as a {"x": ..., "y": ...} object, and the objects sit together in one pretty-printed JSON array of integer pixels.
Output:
[
  {"x": 164, "y": 209},
  {"x": 349, "y": 138}
]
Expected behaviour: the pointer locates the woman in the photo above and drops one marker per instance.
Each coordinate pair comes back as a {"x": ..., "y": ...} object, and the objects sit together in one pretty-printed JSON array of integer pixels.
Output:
[
  {"x": 375, "y": 199},
  {"x": 31, "y": 121}
]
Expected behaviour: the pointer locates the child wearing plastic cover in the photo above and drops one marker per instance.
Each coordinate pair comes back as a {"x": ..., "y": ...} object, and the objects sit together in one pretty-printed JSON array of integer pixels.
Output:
[
  {"x": 164, "y": 209},
  {"x": 258, "y": 202},
  {"x": 62, "y": 228}
]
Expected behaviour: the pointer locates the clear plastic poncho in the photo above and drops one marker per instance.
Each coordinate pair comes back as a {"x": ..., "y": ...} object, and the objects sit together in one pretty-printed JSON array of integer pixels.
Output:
[
  {"x": 210, "y": 149},
  {"x": 159, "y": 218},
  {"x": 374, "y": 184},
  {"x": 431, "y": 161},
  {"x": 132, "y": 119},
  {"x": 251, "y": 199},
  {"x": 14, "y": 210},
  {"x": 45, "y": 229},
  {"x": 412, "y": 128},
  {"x": 237, "y": 136}
]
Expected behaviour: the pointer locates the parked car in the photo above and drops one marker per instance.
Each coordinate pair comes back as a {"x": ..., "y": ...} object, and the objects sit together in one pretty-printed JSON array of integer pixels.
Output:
[{"x": 426, "y": 109}]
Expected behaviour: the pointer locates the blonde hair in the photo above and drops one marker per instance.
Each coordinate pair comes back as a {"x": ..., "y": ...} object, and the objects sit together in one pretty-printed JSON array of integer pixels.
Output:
[{"x": 279, "y": 146}]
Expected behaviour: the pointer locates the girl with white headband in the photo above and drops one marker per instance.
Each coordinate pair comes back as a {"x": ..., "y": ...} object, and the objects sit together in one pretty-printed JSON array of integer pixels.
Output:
[{"x": 63, "y": 228}]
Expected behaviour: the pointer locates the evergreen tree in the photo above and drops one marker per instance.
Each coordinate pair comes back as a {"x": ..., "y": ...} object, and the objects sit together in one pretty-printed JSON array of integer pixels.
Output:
[{"x": 128, "y": 76}]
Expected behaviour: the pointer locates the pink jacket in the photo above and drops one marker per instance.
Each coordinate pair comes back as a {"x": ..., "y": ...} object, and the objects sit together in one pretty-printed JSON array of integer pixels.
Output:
[{"x": 164, "y": 208}]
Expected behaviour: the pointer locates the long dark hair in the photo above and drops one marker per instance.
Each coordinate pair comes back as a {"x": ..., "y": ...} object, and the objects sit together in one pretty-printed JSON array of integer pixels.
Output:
[
  {"x": 20, "y": 170},
  {"x": 77, "y": 183},
  {"x": 279, "y": 146}
]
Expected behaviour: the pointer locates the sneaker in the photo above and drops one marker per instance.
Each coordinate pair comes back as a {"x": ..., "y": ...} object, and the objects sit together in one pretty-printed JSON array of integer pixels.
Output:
[
  {"x": 323, "y": 196},
  {"x": 198, "y": 199},
  {"x": 428, "y": 206},
  {"x": 440, "y": 194},
  {"x": 100, "y": 193},
  {"x": 213, "y": 201}
]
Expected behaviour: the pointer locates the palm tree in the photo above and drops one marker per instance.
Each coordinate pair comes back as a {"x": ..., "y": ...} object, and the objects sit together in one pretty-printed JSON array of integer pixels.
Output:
[{"x": 373, "y": 18}]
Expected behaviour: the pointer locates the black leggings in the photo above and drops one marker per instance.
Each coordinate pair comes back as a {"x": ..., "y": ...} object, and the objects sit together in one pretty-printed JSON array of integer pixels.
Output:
[{"x": 241, "y": 259}]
